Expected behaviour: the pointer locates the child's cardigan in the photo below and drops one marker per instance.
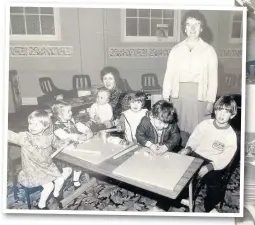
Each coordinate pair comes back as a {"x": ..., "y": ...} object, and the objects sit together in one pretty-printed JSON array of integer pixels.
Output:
[{"x": 146, "y": 132}]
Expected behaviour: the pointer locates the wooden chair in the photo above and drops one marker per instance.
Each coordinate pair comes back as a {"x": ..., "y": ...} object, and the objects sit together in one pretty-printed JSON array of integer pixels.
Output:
[
  {"x": 150, "y": 82},
  {"x": 81, "y": 82}
]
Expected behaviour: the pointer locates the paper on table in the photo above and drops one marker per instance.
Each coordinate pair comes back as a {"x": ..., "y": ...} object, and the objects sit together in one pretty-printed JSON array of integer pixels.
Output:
[
  {"x": 162, "y": 171},
  {"x": 96, "y": 144}
]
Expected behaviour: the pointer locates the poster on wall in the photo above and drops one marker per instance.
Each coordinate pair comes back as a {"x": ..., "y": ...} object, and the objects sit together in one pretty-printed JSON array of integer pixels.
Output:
[{"x": 162, "y": 31}]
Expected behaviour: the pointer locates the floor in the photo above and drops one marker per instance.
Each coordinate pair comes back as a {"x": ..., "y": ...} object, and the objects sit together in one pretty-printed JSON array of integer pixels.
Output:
[{"x": 110, "y": 195}]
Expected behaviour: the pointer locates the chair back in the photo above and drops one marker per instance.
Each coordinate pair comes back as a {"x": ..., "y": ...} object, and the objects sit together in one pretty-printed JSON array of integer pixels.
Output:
[
  {"x": 81, "y": 82},
  {"x": 150, "y": 82},
  {"x": 46, "y": 85},
  {"x": 126, "y": 86}
]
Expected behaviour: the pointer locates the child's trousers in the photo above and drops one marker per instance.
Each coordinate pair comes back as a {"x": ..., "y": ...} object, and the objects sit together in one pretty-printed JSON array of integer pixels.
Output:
[{"x": 213, "y": 181}]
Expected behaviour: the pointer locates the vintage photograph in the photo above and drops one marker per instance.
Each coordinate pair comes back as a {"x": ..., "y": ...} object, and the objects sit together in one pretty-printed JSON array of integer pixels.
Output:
[
  {"x": 126, "y": 110},
  {"x": 249, "y": 181}
]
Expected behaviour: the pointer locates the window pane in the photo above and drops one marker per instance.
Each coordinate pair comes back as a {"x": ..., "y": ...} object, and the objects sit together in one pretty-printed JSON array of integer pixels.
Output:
[
  {"x": 16, "y": 9},
  {"x": 18, "y": 24},
  {"x": 154, "y": 23},
  {"x": 46, "y": 10},
  {"x": 33, "y": 25},
  {"x": 238, "y": 16},
  {"x": 144, "y": 27},
  {"x": 144, "y": 13},
  {"x": 47, "y": 24},
  {"x": 168, "y": 13},
  {"x": 31, "y": 10},
  {"x": 170, "y": 27},
  {"x": 131, "y": 27},
  {"x": 156, "y": 13},
  {"x": 131, "y": 12},
  {"x": 236, "y": 30}
]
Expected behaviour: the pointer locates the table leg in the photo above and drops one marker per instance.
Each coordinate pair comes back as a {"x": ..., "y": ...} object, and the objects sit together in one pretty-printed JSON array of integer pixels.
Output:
[
  {"x": 191, "y": 196},
  {"x": 78, "y": 192}
]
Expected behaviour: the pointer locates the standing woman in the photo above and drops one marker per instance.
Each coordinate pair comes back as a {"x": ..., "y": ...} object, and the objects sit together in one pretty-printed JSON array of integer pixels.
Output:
[{"x": 191, "y": 78}]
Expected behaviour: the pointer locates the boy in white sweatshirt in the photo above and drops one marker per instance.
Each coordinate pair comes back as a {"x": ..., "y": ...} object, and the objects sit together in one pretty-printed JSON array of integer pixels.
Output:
[{"x": 214, "y": 141}]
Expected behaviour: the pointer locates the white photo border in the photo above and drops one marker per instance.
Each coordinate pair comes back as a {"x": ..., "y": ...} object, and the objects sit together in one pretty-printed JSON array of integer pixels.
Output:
[{"x": 5, "y": 127}]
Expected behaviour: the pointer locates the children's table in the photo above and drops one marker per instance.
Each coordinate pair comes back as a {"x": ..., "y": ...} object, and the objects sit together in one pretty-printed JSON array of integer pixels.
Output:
[{"x": 107, "y": 167}]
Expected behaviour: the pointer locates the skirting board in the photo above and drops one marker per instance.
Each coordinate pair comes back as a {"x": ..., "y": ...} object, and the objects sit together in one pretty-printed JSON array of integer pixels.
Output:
[{"x": 29, "y": 101}]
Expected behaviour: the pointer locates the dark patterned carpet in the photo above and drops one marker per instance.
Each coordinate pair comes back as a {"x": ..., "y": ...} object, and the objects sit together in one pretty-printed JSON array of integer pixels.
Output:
[{"x": 109, "y": 195}]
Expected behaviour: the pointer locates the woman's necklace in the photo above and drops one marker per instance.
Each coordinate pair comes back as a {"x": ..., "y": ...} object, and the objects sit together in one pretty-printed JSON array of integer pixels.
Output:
[{"x": 191, "y": 44}]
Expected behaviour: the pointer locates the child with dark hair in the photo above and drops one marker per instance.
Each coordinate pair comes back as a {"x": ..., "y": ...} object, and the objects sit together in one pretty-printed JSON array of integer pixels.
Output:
[
  {"x": 130, "y": 119},
  {"x": 158, "y": 130},
  {"x": 215, "y": 141}
]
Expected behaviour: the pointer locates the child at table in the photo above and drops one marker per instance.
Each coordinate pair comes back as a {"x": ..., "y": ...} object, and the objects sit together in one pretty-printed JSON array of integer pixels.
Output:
[
  {"x": 38, "y": 168},
  {"x": 158, "y": 130},
  {"x": 100, "y": 112},
  {"x": 215, "y": 141},
  {"x": 65, "y": 127},
  {"x": 130, "y": 119}
]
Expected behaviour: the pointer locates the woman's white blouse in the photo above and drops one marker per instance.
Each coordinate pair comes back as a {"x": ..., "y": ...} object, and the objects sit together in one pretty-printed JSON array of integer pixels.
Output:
[{"x": 199, "y": 65}]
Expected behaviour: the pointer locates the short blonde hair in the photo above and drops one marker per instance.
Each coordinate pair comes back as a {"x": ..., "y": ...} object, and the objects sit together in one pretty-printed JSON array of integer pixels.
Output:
[
  {"x": 57, "y": 108},
  {"x": 42, "y": 116},
  {"x": 105, "y": 90}
]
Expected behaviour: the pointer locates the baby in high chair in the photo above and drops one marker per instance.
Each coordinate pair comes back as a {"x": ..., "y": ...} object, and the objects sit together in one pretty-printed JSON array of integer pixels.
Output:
[
  {"x": 38, "y": 169},
  {"x": 65, "y": 127}
]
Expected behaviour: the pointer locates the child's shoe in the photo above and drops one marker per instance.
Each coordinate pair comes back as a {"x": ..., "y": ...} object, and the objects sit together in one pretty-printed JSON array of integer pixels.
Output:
[{"x": 44, "y": 208}]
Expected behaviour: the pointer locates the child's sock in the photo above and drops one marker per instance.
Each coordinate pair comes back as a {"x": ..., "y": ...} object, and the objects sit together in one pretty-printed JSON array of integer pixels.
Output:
[
  {"x": 76, "y": 178},
  {"x": 47, "y": 189},
  {"x": 67, "y": 171},
  {"x": 58, "y": 185}
]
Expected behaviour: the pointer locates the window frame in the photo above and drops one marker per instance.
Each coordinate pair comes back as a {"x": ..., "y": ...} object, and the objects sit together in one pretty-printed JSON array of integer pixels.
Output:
[
  {"x": 174, "y": 38},
  {"x": 231, "y": 39},
  {"x": 28, "y": 37}
]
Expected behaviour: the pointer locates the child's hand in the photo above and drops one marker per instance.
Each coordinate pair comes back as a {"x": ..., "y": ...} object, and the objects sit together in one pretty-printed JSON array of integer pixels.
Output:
[
  {"x": 97, "y": 119},
  {"x": 184, "y": 151},
  {"x": 108, "y": 124},
  {"x": 154, "y": 148},
  {"x": 203, "y": 171},
  {"x": 83, "y": 138},
  {"x": 119, "y": 128},
  {"x": 73, "y": 137},
  {"x": 162, "y": 149},
  {"x": 88, "y": 123},
  {"x": 68, "y": 141}
]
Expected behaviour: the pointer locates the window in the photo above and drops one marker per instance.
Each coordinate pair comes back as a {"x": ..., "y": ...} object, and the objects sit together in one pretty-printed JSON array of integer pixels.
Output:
[
  {"x": 34, "y": 23},
  {"x": 236, "y": 27},
  {"x": 150, "y": 25}
]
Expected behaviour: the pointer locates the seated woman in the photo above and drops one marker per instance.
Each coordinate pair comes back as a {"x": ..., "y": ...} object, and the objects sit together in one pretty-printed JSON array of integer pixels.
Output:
[{"x": 111, "y": 80}]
